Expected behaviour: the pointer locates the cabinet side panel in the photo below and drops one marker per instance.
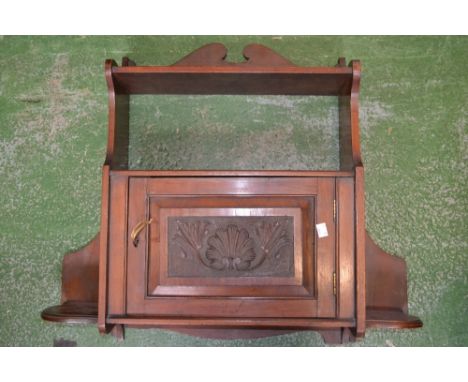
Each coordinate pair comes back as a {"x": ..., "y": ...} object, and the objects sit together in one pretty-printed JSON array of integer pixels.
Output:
[
  {"x": 360, "y": 253},
  {"x": 345, "y": 247},
  {"x": 103, "y": 239},
  {"x": 117, "y": 244}
]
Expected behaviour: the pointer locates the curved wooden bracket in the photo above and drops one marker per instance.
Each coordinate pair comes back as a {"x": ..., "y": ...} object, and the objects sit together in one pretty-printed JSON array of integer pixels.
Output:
[
  {"x": 118, "y": 130},
  {"x": 354, "y": 106},
  {"x": 111, "y": 109},
  {"x": 80, "y": 281},
  {"x": 215, "y": 55},
  {"x": 350, "y": 147},
  {"x": 80, "y": 273},
  {"x": 386, "y": 290},
  {"x": 385, "y": 279}
]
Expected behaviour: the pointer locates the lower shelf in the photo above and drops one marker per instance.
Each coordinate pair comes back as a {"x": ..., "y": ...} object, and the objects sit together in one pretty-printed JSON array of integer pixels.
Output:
[
  {"x": 75, "y": 312},
  {"x": 72, "y": 312},
  {"x": 391, "y": 319}
]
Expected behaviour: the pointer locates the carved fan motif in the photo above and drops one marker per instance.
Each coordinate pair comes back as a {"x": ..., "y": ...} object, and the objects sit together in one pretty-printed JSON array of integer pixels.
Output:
[
  {"x": 189, "y": 237},
  {"x": 272, "y": 237},
  {"x": 230, "y": 247}
]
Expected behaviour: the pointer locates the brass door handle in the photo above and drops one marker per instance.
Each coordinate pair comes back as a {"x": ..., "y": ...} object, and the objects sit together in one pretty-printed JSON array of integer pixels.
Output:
[{"x": 137, "y": 229}]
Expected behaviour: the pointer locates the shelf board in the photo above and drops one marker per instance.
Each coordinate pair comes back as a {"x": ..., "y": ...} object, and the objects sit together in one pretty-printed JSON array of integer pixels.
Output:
[
  {"x": 391, "y": 319},
  {"x": 72, "y": 312},
  {"x": 251, "y": 80}
]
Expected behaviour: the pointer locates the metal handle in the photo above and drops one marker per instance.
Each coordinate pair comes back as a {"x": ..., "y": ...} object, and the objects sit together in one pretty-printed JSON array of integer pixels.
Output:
[{"x": 137, "y": 229}]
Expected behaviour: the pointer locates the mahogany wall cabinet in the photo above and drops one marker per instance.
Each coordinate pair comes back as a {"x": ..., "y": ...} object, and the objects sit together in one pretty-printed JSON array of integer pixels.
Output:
[{"x": 232, "y": 254}]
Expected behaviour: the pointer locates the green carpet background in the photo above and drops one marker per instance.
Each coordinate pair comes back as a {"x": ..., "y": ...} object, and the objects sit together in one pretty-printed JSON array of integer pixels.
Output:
[{"x": 53, "y": 128}]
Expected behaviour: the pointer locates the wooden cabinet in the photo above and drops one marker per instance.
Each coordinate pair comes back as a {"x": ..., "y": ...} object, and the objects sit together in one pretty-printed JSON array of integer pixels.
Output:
[
  {"x": 247, "y": 246},
  {"x": 234, "y": 253}
]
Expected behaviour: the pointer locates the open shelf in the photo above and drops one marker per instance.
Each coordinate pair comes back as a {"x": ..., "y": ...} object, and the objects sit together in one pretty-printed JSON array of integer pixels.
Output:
[{"x": 206, "y": 71}]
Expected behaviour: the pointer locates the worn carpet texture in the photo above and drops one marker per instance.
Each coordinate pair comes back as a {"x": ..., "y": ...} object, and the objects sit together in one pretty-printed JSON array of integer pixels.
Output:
[{"x": 53, "y": 127}]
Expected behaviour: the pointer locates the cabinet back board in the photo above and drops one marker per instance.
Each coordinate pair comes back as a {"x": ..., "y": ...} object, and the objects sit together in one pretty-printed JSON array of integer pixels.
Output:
[{"x": 233, "y": 132}]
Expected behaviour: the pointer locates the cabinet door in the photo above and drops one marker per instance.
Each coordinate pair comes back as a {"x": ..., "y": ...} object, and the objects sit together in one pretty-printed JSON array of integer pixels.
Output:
[{"x": 231, "y": 247}]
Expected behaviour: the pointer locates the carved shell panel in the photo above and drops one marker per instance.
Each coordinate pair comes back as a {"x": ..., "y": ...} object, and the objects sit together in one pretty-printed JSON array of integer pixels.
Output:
[{"x": 231, "y": 246}]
